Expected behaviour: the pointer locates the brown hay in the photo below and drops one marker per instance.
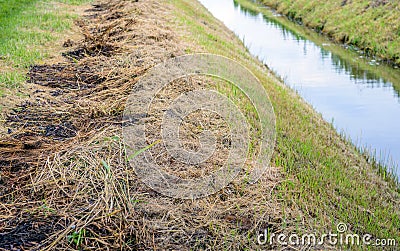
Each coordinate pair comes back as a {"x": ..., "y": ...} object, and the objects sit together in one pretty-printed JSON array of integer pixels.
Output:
[{"x": 63, "y": 164}]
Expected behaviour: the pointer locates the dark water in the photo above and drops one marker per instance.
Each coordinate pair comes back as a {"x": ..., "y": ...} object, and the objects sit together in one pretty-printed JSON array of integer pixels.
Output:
[{"x": 360, "y": 97}]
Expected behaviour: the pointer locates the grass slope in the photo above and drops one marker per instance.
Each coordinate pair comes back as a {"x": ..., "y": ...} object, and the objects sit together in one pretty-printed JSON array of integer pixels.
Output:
[
  {"x": 351, "y": 55},
  {"x": 372, "y": 25},
  {"x": 80, "y": 193},
  {"x": 326, "y": 179},
  {"x": 28, "y": 27}
]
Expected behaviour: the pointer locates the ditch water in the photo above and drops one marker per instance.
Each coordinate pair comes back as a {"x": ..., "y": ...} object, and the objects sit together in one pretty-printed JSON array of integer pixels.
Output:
[{"x": 360, "y": 96}]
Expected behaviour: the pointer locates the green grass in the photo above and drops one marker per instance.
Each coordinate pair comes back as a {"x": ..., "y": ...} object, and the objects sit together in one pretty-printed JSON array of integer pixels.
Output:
[
  {"x": 350, "y": 57},
  {"x": 27, "y": 28},
  {"x": 326, "y": 179},
  {"x": 357, "y": 65},
  {"x": 369, "y": 25}
]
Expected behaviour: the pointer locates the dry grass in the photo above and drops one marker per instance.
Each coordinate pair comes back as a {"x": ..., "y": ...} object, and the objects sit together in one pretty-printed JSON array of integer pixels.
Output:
[{"x": 66, "y": 183}]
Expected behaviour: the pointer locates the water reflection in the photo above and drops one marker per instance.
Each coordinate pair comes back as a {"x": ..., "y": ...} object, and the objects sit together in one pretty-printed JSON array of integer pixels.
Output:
[
  {"x": 354, "y": 70},
  {"x": 361, "y": 97}
]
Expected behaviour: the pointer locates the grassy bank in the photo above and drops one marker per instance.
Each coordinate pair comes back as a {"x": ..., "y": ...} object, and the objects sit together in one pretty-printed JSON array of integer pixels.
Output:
[
  {"x": 358, "y": 66},
  {"x": 29, "y": 31},
  {"x": 371, "y": 25},
  {"x": 66, "y": 184},
  {"x": 325, "y": 179}
]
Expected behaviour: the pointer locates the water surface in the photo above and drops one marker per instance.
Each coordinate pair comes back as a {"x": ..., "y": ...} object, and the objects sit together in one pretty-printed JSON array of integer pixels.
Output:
[{"x": 360, "y": 97}]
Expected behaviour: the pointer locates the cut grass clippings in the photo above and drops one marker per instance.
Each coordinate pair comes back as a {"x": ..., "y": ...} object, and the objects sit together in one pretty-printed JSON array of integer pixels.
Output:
[
  {"x": 326, "y": 179},
  {"x": 66, "y": 183}
]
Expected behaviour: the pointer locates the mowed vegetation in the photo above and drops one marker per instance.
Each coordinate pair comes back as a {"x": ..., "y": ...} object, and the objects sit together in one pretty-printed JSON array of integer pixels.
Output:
[
  {"x": 326, "y": 180},
  {"x": 372, "y": 25},
  {"x": 318, "y": 178},
  {"x": 28, "y": 28}
]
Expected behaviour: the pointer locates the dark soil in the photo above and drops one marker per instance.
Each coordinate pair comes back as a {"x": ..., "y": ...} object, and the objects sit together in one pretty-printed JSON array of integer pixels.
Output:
[
  {"x": 64, "y": 76},
  {"x": 28, "y": 233},
  {"x": 70, "y": 102}
]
